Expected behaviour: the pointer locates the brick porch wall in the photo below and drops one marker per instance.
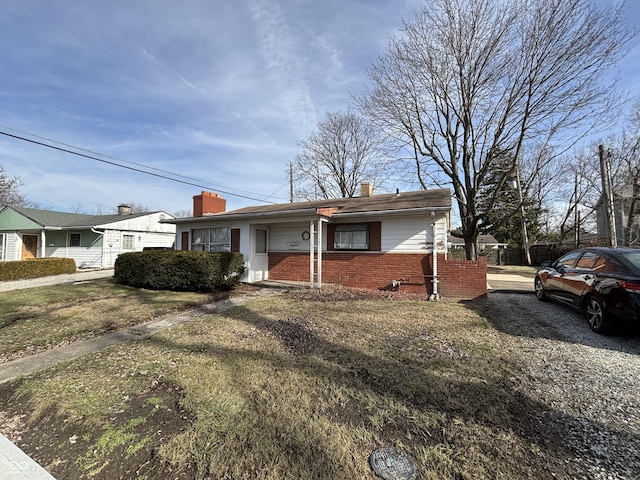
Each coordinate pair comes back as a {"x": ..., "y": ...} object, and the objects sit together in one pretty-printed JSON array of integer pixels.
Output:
[{"x": 462, "y": 279}]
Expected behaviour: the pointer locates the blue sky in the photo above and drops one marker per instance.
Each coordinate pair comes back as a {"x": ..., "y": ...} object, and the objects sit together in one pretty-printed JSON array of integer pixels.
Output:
[{"x": 221, "y": 91}]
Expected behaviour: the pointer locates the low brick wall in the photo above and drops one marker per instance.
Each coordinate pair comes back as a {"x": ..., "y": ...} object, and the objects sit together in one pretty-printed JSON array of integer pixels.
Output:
[{"x": 461, "y": 279}]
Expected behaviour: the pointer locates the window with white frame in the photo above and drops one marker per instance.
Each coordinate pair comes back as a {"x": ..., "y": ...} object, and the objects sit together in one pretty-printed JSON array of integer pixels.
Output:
[
  {"x": 127, "y": 242},
  {"x": 351, "y": 237},
  {"x": 217, "y": 239},
  {"x": 3, "y": 246}
]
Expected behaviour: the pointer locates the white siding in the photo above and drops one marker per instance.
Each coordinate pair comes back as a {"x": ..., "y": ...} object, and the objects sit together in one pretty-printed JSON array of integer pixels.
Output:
[
  {"x": 409, "y": 234},
  {"x": 12, "y": 246},
  {"x": 288, "y": 237},
  {"x": 146, "y": 223},
  {"x": 83, "y": 256}
]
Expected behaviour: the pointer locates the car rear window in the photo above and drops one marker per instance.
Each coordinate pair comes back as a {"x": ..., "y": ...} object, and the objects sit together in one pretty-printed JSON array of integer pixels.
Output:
[{"x": 633, "y": 257}]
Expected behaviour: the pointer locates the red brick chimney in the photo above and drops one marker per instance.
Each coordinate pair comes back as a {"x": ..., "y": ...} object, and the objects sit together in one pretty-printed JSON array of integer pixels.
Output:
[{"x": 208, "y": 203}]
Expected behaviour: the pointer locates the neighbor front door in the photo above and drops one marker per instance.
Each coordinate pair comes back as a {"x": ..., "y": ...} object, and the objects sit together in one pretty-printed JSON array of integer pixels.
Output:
[{"x": 29, "y": 247}]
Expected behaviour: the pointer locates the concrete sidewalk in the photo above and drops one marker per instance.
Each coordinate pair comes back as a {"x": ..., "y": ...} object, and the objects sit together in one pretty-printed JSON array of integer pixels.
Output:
[
  {"x": 79, "y": 276},
  {"x": 509, "y": 283}
]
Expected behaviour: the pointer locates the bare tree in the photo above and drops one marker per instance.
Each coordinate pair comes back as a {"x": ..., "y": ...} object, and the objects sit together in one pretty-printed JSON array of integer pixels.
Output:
[
  {"x": 9, "y": 190},
  {"x": 470, "y": 80},
  {"x": 343, "y": 152}
]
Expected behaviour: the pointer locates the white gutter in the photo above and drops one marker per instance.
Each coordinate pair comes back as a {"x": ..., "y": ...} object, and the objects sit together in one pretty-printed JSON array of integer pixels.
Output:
[
  {"x": 234, "y": 216},
  {"x": 389, "y": 212}
]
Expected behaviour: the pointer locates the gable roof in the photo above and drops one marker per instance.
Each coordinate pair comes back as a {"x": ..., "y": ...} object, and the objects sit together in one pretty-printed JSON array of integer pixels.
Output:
[
  {"x": 49, "y": 218},
  {"x": 407, "y": 202}
]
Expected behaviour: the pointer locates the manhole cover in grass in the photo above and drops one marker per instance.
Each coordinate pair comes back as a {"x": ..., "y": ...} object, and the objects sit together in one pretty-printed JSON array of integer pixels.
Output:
[{"x": 392, "y": 464}]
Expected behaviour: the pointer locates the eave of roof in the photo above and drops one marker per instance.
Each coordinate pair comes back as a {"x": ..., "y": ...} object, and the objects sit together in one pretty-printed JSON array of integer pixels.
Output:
[{"x": 384, "y": 204}]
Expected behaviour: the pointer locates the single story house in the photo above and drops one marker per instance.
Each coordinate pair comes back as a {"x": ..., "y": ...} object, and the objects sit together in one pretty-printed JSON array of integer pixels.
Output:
[
  {"x": 387, "y": 241},
  {"x": 93, "y": 241},
  {"x": 486, "y": 243}
]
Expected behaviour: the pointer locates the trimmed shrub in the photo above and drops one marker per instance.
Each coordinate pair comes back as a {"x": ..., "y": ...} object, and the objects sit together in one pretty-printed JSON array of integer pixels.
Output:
[
  {"x": 38, "y": 267},
  {"x": 182, "y": 270}
]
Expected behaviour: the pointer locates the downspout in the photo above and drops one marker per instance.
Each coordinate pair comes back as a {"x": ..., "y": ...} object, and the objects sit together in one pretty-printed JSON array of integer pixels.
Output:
[
  {"x": 97, "y": 232},
  {"x": 435, "y": 296}
]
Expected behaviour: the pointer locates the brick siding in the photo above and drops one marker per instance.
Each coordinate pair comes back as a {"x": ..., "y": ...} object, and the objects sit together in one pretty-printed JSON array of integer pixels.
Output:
[{"x": 461, "y": 279}]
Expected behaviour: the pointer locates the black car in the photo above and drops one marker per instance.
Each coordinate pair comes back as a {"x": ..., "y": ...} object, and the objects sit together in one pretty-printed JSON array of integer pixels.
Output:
[{"x": 603, "y": 283}]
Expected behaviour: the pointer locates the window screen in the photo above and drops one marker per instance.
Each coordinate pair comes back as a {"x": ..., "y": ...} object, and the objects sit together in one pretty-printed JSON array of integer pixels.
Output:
[
  {"x": 351, "y": 237},
  {"x": 74, "y": 239}
]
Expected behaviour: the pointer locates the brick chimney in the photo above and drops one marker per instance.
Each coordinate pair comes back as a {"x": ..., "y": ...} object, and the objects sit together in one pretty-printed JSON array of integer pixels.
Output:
[
  {"x": 208, "y": 203},
  {"x": 366, "y": 189},
  {"x": 124, "y": 209}
]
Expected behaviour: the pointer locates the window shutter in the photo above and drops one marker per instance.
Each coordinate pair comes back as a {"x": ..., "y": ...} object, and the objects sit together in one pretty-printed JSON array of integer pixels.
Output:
[
  {"x": 235, "y": 239},
  {"x": 375, "y": 236}
]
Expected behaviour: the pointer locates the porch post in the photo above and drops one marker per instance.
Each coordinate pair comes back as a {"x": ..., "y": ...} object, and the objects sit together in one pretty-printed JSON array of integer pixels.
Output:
[
  {"x": 319, "y": 253},
  {"x": 43, "y": 245},
  {"x": 311, "y": 252}
]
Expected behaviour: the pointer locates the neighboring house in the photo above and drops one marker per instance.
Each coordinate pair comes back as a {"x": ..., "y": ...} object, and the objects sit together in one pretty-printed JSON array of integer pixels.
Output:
[
  {"x": 487, "y": 246},
  {"x": 622, "y": 199},
  {"x": 93, "y": 241},
  {"x": 372, "y": 241},
  {"x": 486, "y": 243}
]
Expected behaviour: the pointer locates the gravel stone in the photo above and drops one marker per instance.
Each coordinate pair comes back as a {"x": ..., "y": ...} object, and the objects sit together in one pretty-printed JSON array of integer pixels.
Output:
[{"x": 590, "y": 383}]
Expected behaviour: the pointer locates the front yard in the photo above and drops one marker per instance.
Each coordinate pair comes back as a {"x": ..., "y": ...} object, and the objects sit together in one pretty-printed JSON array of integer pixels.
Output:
[{"x": 302, "y": 384}]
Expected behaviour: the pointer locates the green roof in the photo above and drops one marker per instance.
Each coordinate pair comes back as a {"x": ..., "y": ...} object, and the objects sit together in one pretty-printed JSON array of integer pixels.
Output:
[{"x": 49, "y": 218}]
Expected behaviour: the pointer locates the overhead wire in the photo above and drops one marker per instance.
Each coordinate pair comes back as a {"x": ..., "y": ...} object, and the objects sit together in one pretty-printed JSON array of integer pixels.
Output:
[{"x": 144, "y": 168}]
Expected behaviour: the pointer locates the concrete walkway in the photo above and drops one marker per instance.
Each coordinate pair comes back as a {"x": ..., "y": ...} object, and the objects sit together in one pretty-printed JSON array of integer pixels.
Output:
[
  {"x": 509, "y": 283},
  {"x": 79, "y": 276}
]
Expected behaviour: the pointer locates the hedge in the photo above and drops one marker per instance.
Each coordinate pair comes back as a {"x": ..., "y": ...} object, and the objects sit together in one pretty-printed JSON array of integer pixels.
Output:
[
  {"x": 38, "y": 267},
  {"x": 181, "y": 270}
]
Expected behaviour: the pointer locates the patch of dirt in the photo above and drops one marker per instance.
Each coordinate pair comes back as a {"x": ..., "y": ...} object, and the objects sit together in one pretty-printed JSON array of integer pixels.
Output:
[
  {"x": 123, "y": 449},
  {"x": 335, "y": 293}
]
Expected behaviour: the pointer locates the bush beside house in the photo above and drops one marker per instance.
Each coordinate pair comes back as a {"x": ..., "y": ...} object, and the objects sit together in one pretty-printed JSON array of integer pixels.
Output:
[
  {"x": 179, "y": 270},
  {"x": 40, "y": 267}
]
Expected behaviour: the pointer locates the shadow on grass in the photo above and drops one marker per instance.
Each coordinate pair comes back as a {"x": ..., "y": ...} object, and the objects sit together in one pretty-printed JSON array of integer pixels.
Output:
[{"x": 492, "y": 403}]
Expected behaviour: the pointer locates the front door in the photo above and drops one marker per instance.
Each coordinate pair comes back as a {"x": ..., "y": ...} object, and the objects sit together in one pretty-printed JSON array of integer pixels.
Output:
[
  {"x": 259, "y": 264},
  {"x": 29, "y": 247}
]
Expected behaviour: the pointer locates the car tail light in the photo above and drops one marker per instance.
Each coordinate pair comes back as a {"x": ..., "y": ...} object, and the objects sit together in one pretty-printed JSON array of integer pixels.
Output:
[{"x": 631, "y": 287}]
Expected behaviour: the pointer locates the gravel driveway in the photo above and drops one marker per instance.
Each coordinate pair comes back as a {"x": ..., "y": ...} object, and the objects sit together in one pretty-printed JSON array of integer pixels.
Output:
[{"x": 590, "y": 384}]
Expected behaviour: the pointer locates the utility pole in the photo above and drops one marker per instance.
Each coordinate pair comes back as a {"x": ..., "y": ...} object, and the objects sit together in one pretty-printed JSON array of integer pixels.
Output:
[
  {"x": 290, "y": 182},
  {"x": 525, "y": 236},
  {"x": 607, "y": 196},
  {"x": 576, "y": 213}
]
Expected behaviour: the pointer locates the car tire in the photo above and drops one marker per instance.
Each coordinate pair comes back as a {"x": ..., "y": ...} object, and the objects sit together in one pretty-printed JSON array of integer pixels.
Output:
[
  {"x": 596, "y": 315},
  {"x": 539, "y": 287}
]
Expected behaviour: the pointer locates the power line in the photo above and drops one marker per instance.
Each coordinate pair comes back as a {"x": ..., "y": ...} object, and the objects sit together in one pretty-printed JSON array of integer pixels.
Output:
[{"x": 139, "y": 170}]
